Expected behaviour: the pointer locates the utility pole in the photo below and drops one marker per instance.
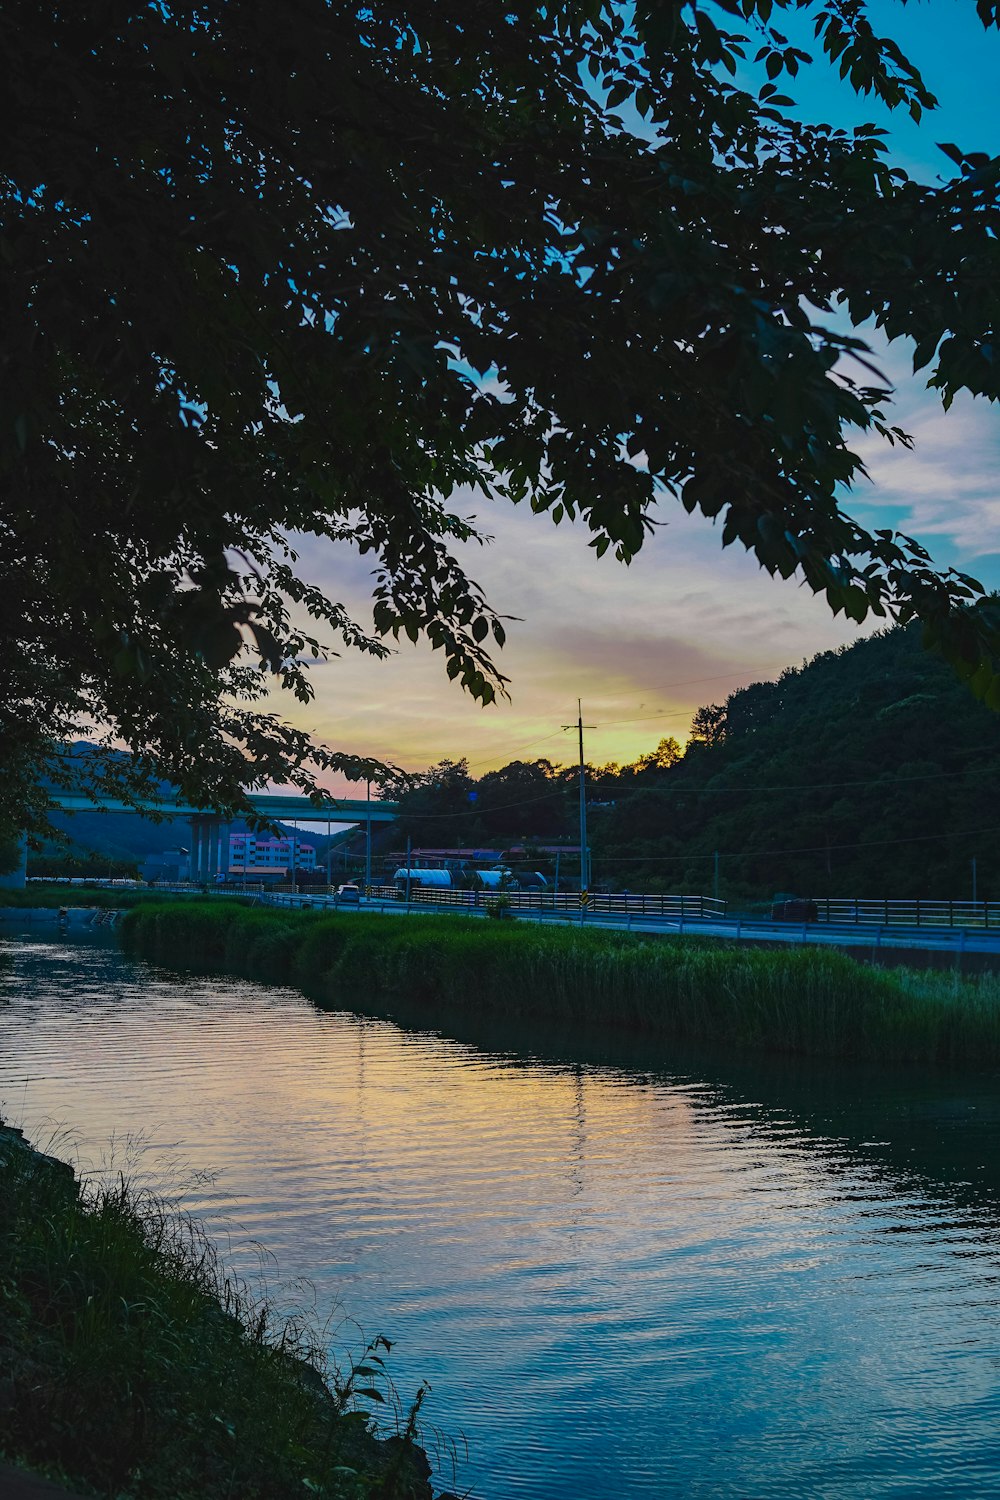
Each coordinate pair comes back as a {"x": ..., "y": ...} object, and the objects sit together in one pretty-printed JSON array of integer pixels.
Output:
[{"x": 579, "y": 726}]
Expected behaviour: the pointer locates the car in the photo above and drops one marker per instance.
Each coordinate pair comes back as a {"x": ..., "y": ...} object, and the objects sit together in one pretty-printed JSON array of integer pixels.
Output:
[{"x": 348, "y": 895}]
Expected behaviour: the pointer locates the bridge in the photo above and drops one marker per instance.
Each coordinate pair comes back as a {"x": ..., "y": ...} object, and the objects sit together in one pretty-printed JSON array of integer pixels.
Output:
[
  {"x": 210, "y": 831},
  {"x": 275, "y": 806}
]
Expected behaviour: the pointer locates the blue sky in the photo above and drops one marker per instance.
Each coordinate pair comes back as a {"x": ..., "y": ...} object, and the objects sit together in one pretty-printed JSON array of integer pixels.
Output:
[
  {"x": 960, "y": 63},
  {"x": 687, "y": 623}
]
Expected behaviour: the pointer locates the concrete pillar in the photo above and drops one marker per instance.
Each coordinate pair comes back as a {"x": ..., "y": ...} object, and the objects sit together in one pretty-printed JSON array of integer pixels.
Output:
[
  {"x": 212, "y": 863},
  {"x": 209, "y": 848}
]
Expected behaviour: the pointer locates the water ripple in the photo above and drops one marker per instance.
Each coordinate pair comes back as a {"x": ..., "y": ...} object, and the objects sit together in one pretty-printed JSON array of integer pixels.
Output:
[{"x": 619, "y": 1282}]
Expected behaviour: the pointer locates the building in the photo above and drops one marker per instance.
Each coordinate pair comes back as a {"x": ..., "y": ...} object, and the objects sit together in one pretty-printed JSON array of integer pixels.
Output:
[{"x": 249, "y": 854}]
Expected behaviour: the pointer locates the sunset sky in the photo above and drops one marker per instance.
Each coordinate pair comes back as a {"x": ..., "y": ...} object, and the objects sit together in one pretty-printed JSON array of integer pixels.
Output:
[{"x": 687, "y": 623}]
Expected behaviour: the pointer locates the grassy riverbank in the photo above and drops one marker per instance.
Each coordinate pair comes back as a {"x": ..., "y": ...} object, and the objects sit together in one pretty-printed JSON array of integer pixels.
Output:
[
  {"x": 133, "y": 1367},
  {"x": 36, "y": 896},
  {"x": 809, "y": 1001}
]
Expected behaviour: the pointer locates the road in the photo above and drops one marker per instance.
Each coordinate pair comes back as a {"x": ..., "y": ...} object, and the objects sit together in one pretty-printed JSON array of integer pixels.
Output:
[{"x": 866, "y": 937}]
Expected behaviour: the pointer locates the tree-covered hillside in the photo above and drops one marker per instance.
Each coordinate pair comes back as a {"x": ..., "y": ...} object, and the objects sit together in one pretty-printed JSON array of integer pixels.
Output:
[{"x": 870, "y": 771}]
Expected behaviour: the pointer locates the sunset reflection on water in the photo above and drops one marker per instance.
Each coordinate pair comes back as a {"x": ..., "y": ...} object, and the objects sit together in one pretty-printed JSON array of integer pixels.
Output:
[{"x": 618, "y": 1282}]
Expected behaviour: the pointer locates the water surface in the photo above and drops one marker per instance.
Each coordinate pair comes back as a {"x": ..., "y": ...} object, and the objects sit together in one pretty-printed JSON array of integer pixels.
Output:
[{"x": 627, "y": 1277}]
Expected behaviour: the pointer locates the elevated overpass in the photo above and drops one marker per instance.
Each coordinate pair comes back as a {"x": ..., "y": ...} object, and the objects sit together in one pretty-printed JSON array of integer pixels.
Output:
[
  {"x": 210, "y": 830},
  {"x": 276, "y": 806}
]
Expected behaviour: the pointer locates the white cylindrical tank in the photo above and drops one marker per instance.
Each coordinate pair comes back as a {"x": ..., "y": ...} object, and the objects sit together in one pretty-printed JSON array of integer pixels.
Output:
[{"x": 430, "y": 879}]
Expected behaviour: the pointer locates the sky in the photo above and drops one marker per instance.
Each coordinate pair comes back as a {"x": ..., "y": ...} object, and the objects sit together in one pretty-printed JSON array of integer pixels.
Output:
[{"x": 687, "y": 623}]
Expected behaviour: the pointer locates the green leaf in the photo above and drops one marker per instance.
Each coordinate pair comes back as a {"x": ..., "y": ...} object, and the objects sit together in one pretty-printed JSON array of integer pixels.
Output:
[
  {"x": 925, "y": 351},
  {"x": 951, "y": 151}
]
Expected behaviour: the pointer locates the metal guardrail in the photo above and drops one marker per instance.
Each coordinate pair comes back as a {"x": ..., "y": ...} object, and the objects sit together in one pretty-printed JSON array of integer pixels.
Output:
[
  {"x": 622, "y": 904},
  {"x": 917, "y": 912},
  {"x": 930, "y": 937},
  {"x": 672, "y": 911},
  {"x": 832, "y": 912}
]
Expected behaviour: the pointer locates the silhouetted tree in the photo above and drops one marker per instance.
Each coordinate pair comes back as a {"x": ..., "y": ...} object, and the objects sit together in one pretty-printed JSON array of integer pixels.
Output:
[{"x": 312, "y": 269}]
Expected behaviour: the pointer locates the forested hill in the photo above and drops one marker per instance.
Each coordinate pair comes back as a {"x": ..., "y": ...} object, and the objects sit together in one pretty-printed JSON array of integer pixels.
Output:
[{"x": 871, "y": 771}]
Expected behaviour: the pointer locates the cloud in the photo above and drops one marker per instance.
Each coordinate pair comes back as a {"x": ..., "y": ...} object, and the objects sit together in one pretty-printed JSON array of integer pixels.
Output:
[
  {"x": 684, "y": 625},
  {"x": 948, "y": 486}
]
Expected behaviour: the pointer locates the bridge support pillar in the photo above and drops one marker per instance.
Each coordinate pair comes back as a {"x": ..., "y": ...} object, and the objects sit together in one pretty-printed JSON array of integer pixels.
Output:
[
  {"x": 197, "y": 872},
  {"x": 209, "y": 848}
]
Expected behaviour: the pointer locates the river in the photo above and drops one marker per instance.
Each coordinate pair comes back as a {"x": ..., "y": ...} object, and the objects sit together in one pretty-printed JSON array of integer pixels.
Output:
[{"x": 624, "y": 1272}]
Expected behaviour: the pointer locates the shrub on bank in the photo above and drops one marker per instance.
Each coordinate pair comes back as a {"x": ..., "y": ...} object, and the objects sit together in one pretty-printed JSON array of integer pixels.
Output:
[
  {"x": 807, "y": 1000},
  {"x": 132, "y": 1366}
]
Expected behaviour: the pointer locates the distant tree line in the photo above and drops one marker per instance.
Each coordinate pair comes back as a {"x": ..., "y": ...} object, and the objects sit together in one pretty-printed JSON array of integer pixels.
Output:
[{"x": 524, "y": 802}]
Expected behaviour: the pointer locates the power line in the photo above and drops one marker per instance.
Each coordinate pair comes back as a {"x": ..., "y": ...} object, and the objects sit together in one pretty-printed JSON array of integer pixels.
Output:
[
  {"x": 647, "y": 859},
  {"x": 724, "y": 676},
  {"x": 647, "y": 718},
  {"x": 475, "y": 812},
  {"x": 818, "y": 786},
  {"x": 517, "y": 749},
  {"x": 560, "y": 791},
  {"x": 643, "y": 719},
  {"x": 669, "y": 713},
  {"x": 917, "y": 838}
]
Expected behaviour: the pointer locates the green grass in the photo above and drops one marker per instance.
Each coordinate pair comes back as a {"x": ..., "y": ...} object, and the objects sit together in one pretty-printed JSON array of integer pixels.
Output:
[
  {"x": 132, "y": 1366},
  {"x": 809, "y": 1000},
  {"x": 56, "y": 895}
]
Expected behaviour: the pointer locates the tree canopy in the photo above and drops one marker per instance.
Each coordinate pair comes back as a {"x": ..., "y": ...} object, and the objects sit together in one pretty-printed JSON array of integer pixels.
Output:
[{"x": 321, "y": 269}]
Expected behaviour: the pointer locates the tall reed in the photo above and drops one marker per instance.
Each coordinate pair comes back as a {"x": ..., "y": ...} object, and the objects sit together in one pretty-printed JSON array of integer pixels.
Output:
[{"x": 808, "y": 1000}]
